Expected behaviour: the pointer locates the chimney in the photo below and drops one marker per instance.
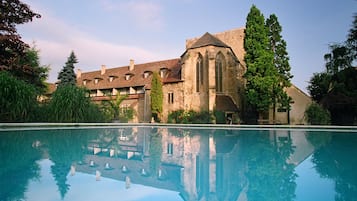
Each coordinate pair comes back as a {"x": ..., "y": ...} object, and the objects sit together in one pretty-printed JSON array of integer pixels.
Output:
[
  {"x": 102, "y": 70},
  {"x": 131, "y": 66},
  {"x": 79, "y": 73}
]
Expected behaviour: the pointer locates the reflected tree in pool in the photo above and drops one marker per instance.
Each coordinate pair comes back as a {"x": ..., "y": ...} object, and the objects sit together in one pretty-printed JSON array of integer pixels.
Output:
[
  {"x": 270, "y": 176},
  {"x": 18, "y": 155},
  {"x": 336, "y": 160},
  {"x": 155, "y": 150},
  {"x": 65, "y": 148}
]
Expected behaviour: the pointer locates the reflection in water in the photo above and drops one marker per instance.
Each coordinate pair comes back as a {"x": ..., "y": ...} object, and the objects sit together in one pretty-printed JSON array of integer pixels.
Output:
[
  {"x": 336, "y": 159},
  {"x": 198, "y": 164},
  {"x": 18, "y": 155}
]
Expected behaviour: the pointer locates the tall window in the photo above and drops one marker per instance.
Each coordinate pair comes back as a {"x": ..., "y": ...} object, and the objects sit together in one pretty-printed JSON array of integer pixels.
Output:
[
  {"x": 199, "y": 73},
  {"x": 219, "y": 72},
  {"x": 170, "y": 99}
]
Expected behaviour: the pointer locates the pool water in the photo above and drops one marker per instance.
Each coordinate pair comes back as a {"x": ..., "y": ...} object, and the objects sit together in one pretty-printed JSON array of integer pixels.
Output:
[{"x": 177, "y": 163}]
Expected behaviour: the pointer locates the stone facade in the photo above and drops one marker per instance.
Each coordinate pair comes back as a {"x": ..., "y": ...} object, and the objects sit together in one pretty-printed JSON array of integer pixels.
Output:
[{"x": 207, "y": 77}]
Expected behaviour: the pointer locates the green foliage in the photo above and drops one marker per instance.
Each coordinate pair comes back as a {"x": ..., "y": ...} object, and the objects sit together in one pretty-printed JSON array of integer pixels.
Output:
[
  {"x": 67, "y": 75},
  {"x": 281, "y": 63},
  {"x": 351, "y": 42},
  {"x": 113, "y": 111},
  {"x": 278, "y": 46},
  {"x": 317, "y": 115},
  {"x": 220, "y": 117},
  {"x": 336, "y": 87},
  {"x": 18, "y": 99},
  {"x": 319, "y": 86},
  {"x": 338, "y": 59},
  {"x": 261, "y": 74},
  {"x": 71, "y": 104},
  {"x": 39, "y": 73},
  {"x": 190, "y": 117},
  {"x": 156, "y": 96}
]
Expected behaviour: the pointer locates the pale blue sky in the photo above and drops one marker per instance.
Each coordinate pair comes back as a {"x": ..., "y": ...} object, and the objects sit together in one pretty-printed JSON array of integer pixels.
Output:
[{"x": 111, "y": 32}]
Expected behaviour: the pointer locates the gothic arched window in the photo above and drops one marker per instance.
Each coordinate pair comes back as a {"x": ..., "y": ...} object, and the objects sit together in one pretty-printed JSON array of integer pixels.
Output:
[
  {"x": 219, "y": 72},
  {"x": 199, "y": 73}
]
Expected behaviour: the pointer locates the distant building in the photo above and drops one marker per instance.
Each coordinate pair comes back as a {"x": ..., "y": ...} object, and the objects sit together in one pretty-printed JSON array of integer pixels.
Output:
[{"x": 208, "y": 76}]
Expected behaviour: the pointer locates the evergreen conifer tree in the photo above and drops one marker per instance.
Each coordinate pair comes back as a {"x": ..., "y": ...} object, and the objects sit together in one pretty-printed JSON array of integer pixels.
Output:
[
  {"x": 281, "y": 63},
  {"x": 261, "y": 74},
  {"x": 67, "y": 75}
]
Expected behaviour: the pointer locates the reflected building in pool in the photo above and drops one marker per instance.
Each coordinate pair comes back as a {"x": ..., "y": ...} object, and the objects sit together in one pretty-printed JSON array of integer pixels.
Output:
[{"x": 201, "y": 164}]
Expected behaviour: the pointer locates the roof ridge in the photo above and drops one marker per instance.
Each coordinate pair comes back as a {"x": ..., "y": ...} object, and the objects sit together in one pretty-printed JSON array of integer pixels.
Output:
[{"x": 208, "y": 39}]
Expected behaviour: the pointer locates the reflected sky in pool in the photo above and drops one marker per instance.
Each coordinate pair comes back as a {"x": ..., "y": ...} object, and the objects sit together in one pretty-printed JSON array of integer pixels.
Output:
[{"x": 165, "y": 163}]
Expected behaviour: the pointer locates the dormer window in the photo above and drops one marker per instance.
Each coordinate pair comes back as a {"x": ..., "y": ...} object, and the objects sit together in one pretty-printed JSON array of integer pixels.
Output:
[
  {"x": 96, "y": 80},
  {"x": 147, "y": 74},
  {"x": 128, "y": 76},
  {"x": 111, "y": 78},
  {"x": 163, "y": 72}
]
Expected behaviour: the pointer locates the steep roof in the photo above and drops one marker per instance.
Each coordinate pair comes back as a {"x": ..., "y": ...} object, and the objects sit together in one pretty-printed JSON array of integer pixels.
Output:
[
  {"x": 225, "y": 103},
  {"x": 208, "y": 39},
  {"x": 137, "y": 77}
]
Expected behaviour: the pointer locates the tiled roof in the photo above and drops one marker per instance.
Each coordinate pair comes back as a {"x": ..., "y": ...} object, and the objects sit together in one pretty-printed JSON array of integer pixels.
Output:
[
  {"x": 136, "y": 75},
  {"x": 208, "y": 39}
]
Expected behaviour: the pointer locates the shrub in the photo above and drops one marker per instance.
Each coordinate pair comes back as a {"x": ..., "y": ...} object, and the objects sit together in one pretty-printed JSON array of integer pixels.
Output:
[
  {"x": 317, "y": 115},
  {"x": 71, "y": 104},
  {"x": 190, "y": 117},
  {"x": 17, "y": 100}
]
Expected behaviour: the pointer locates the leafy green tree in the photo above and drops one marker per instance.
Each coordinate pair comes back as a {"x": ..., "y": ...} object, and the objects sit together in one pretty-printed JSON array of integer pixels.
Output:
[
  {"x": 72, "y": 104},
  {"x": 352, "y": 38},
  {"x": 39, "y": 74},
  {"x": 13, "y": 13},
  {"x": 319, "y": 85},
  {"x": 67, "y": 75},
  {"x": 338, "y": 59},
  {"x": 156, "y": 96},
  {"x": 17, "y": 100},
  {"x": 281, "y": 63},
  {"x": 261, "y": 74}
]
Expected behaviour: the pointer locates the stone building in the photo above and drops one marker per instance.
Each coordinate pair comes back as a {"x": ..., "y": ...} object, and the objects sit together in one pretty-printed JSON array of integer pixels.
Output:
[{"x": 208, "y": 76}]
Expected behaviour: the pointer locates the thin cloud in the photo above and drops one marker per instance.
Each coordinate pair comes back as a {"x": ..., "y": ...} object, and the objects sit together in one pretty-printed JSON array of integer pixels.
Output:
[
  {"x": 144, "y": 14},
  {"x": 56, "y": 39}
]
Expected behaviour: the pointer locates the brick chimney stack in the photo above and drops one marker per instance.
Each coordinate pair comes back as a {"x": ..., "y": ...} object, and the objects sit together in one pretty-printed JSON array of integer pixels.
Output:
[
  {"x": 102, "y": 70},
  {"x": 131, "y": 66},
  {"x": 79, "y": 73}
]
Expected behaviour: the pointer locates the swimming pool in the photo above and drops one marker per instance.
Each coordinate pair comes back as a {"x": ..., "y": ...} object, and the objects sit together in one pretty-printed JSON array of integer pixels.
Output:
[{"x": 177, "y": 162}]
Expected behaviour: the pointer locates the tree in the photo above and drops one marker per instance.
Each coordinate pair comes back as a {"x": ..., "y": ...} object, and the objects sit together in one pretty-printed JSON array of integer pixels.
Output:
[
  {"x": 335, "y": 88},
  {"x": 319, "y": 85},
  {"x": 338, "y": 59},
  {"x": 67, "y": 75},
  {"x": 12, "y": 48},
  {"x": 156, "y": 96},
  {"x": 261, "y": 74},
  {"x": 39, "y": 73},
  {"x": 281, "y": 63},
  {"x": 352, "y": 38}
]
